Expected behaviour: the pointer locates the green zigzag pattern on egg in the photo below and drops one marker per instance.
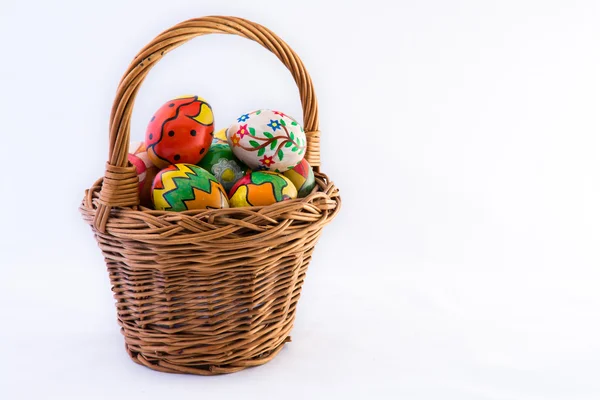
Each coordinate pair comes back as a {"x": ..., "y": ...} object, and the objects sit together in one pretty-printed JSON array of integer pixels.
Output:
[{"x": 184, "y": 190}]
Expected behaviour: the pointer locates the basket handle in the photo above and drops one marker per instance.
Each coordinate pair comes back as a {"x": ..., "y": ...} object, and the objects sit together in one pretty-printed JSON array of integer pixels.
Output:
[{"x": 119, "y": 188}]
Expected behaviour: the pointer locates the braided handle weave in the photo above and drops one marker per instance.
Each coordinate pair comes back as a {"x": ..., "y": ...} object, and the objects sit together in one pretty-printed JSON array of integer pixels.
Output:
[{"x": 120, "y": 185}]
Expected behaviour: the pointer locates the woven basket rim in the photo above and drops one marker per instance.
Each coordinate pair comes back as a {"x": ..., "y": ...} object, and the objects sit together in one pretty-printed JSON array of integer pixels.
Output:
[
  {"x": 261, "y": 224},
  {"x": 308, "y": 199},
  {"x": 90, "y": 203}
]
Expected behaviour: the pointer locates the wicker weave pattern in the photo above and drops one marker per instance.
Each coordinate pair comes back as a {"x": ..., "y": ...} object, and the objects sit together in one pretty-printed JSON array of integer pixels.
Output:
[{"x": 206, "y": 291}]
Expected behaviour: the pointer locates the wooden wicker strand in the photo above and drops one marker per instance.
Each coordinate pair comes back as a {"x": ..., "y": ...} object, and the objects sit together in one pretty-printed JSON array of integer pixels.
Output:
[{"x": 205, "y": 291}]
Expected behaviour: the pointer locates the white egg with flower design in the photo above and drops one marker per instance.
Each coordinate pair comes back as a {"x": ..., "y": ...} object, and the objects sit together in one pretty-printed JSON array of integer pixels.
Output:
[{"x": 267, "y": 140}]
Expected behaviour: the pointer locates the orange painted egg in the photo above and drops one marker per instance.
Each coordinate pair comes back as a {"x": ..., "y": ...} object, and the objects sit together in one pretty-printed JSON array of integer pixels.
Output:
[
  {"x": 261, "y": 188},
  {"x": 145, "y": 169},
  {"x": 182, "y": 187},
  {"x": 303, "y": 177},
  {"x": 180, "y": 132}
]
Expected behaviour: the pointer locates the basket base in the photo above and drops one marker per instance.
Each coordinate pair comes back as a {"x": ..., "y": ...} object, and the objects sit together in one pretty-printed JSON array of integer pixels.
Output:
[{"x": 206, "y": 370}]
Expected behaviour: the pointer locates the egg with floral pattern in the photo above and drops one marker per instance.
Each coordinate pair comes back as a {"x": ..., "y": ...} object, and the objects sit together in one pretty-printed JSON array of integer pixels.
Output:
[
  {"x": 303, "y": 177},
  {"x": 220, "y": 161},
  {"x": 267, "y": 140},
  {"x": 261, "y": 188}
]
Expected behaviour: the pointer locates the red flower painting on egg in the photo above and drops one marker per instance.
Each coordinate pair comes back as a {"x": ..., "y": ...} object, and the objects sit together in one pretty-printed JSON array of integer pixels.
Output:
[{"x": 181, "y": 131}]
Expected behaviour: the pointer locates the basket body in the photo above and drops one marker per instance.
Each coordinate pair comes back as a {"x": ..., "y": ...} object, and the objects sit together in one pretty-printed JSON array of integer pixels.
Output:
[
  {"x": 194, "y": 321},
  {"x": 205, "y": 291},
  {"x": 191, "y": 320},
  {"x": 214, "y": 291}
]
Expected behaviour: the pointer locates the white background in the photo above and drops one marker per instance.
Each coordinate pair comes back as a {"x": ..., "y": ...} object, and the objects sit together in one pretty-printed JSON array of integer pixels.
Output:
[{"x": 463, "y": 136}]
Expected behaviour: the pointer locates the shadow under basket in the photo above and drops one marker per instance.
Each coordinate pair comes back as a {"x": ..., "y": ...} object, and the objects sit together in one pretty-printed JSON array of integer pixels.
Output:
[{"x": 206, "y": 291}]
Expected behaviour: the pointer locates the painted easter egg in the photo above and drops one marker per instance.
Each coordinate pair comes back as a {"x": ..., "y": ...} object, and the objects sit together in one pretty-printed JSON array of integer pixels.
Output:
[
  {"x": 180, "y": 132},
  {"x": 220, "y": 136},
  {"x": 303, "y": 177},
  {"x": 183, "y": 187},
  {"x": 261, "y": 188},
  {"x": 221, "y": 162},
  {"x": 145, "y": 169},
  {"x": 267, "y": 140}
]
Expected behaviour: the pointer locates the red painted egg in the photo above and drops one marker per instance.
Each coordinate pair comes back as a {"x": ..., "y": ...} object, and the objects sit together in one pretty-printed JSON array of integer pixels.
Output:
[
  {"x": 303, "y": 177},
  {"x": 181, "y": 131},
  {"x": 145, "y": 170}
]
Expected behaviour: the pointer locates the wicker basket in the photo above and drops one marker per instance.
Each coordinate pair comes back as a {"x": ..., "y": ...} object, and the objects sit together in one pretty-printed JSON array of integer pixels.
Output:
[{"x": 206, "y": 291}]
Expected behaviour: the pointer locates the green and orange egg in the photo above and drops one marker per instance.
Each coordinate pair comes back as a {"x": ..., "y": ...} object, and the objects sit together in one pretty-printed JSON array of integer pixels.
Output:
[{"x": 261, "y": 188}]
